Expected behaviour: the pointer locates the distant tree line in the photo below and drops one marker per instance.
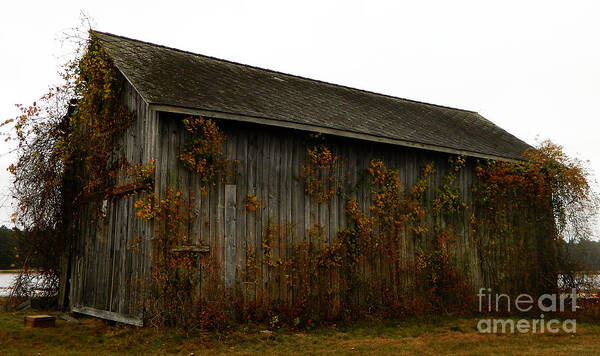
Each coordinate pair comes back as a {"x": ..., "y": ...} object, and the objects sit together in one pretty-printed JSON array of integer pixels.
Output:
[
  {"x": 584, "y": 254},
  {"x": 9, "y": 241}
]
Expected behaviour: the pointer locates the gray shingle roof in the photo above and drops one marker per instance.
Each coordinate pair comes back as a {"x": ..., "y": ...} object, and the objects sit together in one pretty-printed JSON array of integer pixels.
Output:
[{"x": 166, "y": 76}]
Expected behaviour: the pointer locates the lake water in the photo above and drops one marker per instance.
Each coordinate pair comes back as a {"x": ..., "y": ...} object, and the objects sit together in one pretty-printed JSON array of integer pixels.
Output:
[
  {"x": 6, "y": 280},
  {"x": 586, "y": 282}
]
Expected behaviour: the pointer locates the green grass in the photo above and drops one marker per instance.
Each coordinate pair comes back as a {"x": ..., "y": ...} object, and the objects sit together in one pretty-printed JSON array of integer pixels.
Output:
[{"x": 447, "y": 336}]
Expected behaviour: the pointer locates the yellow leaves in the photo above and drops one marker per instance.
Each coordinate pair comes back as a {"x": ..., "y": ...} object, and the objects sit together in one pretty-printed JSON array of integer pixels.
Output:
[
  {"x": 458, "y": 163},
  {"x": 546, "y": 180},
  {"x": 321, "y": 173},
  {"x": 146, "y": 208},
  {"x": 6, "y": 122},
  {"x": 204, "y": 154},
  {"x": 427, "y": 170},
  {"x": 141, "y": 173},
  {"x": 252, "y": 203},
  {"x": 271, "y": 233},
  {"x": 378, "y": 171},
  {"x": 394, "y": 207},
  {"x": 448, "y": 200},
  {"x": 321, "y": 157}
]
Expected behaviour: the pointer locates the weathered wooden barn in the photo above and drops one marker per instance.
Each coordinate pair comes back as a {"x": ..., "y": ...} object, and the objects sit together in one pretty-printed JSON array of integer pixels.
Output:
[{"x": 267, "y": 117}]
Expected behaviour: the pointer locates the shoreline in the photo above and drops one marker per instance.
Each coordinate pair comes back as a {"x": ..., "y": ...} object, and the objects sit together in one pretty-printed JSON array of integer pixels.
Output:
[{"x": 10, "y": 271}]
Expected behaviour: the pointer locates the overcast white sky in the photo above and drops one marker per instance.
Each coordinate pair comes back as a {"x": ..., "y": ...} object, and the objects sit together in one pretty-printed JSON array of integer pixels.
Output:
[{"x": 532, "y": 67}]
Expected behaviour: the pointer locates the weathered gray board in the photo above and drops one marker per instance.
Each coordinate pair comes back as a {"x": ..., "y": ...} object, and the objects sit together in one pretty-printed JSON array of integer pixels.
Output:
[
  {"x": 268, "y": 165},
  {"x": 111, "y": 263}
]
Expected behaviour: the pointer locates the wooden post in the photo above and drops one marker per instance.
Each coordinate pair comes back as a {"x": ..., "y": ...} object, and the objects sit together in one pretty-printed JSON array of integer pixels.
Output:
[{"x": 230, "y": 219}]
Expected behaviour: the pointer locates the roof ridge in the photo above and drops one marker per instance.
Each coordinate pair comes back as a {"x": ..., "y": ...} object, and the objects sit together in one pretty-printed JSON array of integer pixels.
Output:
[{"x": 282, "y": 73}]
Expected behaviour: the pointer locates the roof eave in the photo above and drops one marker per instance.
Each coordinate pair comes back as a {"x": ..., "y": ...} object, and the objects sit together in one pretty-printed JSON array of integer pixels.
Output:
[{"x": 322, "y": 130}]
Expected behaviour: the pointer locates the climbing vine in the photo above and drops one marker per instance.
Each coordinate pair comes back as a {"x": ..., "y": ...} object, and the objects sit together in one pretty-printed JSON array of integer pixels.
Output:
[
  {"x": 253, "y": 203},
  {"x": 395, "y": 207},
  {"x": 67, "y": 155},
  {"x": 174, "y": 268},
  {"x": 536, "y": 202},
  {"x": 321, "y": 173},
  {"x": 449, "y": 198},
  {"x": 446, "y": 288},
  {"x": 180, "y": 262},
  {"x": 327, "y": 273},
  {"x": 204, "y": 153}
]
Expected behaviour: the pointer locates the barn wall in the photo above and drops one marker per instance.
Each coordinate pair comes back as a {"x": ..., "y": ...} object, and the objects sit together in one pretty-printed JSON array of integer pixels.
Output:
[
  {"x": 268, "y": 166},
  {"x": 111, "y": 258}
]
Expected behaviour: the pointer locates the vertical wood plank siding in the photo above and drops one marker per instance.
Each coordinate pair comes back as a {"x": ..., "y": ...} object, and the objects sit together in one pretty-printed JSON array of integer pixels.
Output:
[
  {"x": 111, "y": 257},
  {"x": 268, "y": 165},
  {"x": 111, "y": 264}
]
